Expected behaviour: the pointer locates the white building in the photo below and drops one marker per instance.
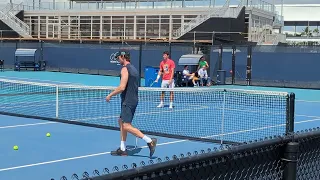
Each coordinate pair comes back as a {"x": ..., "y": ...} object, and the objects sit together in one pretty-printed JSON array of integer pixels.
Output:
[{"x": 143, "y": 19}]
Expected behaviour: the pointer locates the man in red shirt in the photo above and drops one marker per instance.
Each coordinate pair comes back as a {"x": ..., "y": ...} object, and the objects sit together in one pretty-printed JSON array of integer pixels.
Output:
[{"x": 167, "y": 67}]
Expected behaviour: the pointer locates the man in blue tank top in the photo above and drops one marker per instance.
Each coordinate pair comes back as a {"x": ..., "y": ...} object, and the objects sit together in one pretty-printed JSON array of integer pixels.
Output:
[{"x": 129, "y": 100}]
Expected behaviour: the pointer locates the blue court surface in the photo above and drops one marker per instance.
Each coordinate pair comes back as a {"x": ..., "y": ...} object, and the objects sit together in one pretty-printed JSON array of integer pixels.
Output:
[{"x": 77, "y": 149}]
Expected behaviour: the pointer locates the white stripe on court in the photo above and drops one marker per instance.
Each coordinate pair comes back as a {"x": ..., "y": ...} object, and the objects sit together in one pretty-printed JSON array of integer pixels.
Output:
[
  {"x": 39, "y": 80},
  {"x": 78, "y": 157},
  {"x": 305, "y": 121},
  {"x": 308, "y": 116},
  {"x": 307, "y": 101},
  {"x": 23, "y": 125}
]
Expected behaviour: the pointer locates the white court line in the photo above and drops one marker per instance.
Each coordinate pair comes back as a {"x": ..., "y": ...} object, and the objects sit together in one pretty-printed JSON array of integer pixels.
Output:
[
  {"x": 38, "y": 80},
  {"x": 305, "y": 121},
  {"x": 78, "y": 157},
  {"x": 24, "y": 125},
  {"x": 308, "y": 101},
  {"x": 302, "y": 115}
]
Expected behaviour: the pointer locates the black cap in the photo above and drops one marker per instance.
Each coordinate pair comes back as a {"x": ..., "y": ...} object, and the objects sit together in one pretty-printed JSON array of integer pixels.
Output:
[{"x": 124, "y": 53}]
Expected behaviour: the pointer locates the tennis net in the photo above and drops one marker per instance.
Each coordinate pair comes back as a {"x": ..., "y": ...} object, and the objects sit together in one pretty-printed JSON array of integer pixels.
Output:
[{"x": 228, "y": 116}]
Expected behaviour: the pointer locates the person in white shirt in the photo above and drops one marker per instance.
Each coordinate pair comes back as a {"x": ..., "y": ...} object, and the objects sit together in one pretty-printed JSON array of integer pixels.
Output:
[
  {"x": 186, "y": 74},
  {"x": 203, "y": 75}
]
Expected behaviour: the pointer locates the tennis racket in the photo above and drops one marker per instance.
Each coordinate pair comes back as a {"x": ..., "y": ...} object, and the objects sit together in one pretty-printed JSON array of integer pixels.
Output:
[{"x": 152, "y": 84}]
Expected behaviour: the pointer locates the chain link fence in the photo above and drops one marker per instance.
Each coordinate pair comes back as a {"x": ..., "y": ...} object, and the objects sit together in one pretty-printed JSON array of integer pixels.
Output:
[{"x": 293, "y": 156}]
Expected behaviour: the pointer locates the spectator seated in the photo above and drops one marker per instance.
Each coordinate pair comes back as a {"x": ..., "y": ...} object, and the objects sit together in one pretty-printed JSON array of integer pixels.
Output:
[
  {"x": 190, "y": 63},
  {"x": 205, "y": 80},
  {"x": 190, "y": 79}
]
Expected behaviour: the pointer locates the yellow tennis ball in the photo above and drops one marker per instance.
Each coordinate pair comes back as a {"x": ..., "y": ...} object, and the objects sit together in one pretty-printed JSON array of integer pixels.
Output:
[
  {"x": 15, "y": 147},
  {"x": 48, "y": 134}
]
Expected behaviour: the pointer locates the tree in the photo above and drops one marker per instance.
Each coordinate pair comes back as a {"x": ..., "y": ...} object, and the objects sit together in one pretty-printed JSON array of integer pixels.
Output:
[{"x": 306, "y": 31}]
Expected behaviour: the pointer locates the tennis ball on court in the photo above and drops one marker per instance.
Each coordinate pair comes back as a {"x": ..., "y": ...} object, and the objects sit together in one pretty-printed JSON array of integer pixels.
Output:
[
  {"x": 15, "y": 147},
  {"x": 48, "y": 134}
]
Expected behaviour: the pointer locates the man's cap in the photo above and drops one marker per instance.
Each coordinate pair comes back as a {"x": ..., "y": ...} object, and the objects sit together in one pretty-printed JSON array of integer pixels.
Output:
[{"x": 122, "y": 53}]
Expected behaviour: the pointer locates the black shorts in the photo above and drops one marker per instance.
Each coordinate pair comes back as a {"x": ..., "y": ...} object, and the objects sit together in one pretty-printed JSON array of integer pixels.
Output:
[{"x": 127, "y": 113}]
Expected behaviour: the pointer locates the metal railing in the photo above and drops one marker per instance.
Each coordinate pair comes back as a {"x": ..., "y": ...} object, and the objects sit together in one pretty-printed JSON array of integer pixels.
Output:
[
  {"x": 15, "y": 23},
  {"x": 72, "y": 33},
  {"x": 212, "y": 12},
  {"x": 16, "y": 8},
  {"x": 134, "y": 5},
  {"x": 234, "y": 12}
]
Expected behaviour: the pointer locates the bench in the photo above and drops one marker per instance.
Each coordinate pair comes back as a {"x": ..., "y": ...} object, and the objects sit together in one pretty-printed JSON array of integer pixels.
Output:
[{"x": 27, "y": 64}]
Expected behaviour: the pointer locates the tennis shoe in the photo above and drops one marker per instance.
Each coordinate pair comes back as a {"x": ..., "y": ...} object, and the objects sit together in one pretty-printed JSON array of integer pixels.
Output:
[
  {"x": 160, "y": 105},
  {"x": 119, "y": 152},
  {"x": 152, "y": 146}
]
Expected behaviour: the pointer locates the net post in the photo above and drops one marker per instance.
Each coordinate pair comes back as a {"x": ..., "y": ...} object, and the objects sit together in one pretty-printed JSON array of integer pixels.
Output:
[
  {"x": 291, "y": 112},
  {"x": 57, "y": 101}
]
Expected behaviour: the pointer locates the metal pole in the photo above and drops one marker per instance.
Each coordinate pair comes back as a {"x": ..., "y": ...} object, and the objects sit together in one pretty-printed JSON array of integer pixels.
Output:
[
  {"x": 220, "y": 57},
  {"x": 291, "y": 112},
  {"x": 140, "y": 59},
  {"x": 233, "y": 63},
  {"x": 249, "y": 68},
  {"x": 290, "y": 157}
]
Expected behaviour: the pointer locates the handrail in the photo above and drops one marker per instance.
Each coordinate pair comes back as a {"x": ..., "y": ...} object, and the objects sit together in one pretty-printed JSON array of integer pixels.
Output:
[
  {"x": 12, "y": 20},
  {"x": 201, "y": 18}
]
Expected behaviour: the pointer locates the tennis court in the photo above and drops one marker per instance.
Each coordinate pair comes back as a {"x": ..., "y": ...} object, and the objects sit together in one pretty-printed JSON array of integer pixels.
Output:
[{"x": 77, "y": 149}]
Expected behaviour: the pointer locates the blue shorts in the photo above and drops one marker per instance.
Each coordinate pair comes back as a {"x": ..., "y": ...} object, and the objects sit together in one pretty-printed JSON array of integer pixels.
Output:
[{"x": 127, "y": 113}]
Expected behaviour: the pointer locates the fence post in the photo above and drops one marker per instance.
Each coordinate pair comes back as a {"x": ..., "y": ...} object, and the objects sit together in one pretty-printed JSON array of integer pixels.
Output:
[
  {"x": 220, "y": 56},
  {"x": 233, "y": 69},
  {"x": 249, "y": 66},
  {"x": 170, "y": 50},
  {"x": 290, "y": 157},
  {"x": 140, "y": 59}
]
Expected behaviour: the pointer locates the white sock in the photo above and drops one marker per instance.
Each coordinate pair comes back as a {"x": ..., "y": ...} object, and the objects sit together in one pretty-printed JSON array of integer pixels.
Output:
[
  {"x": 122, "y": 146},
  {"x": 147, "y": 139},
  {"x": 171, "y": 104},
  {"x": 161, "y": 102}
]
